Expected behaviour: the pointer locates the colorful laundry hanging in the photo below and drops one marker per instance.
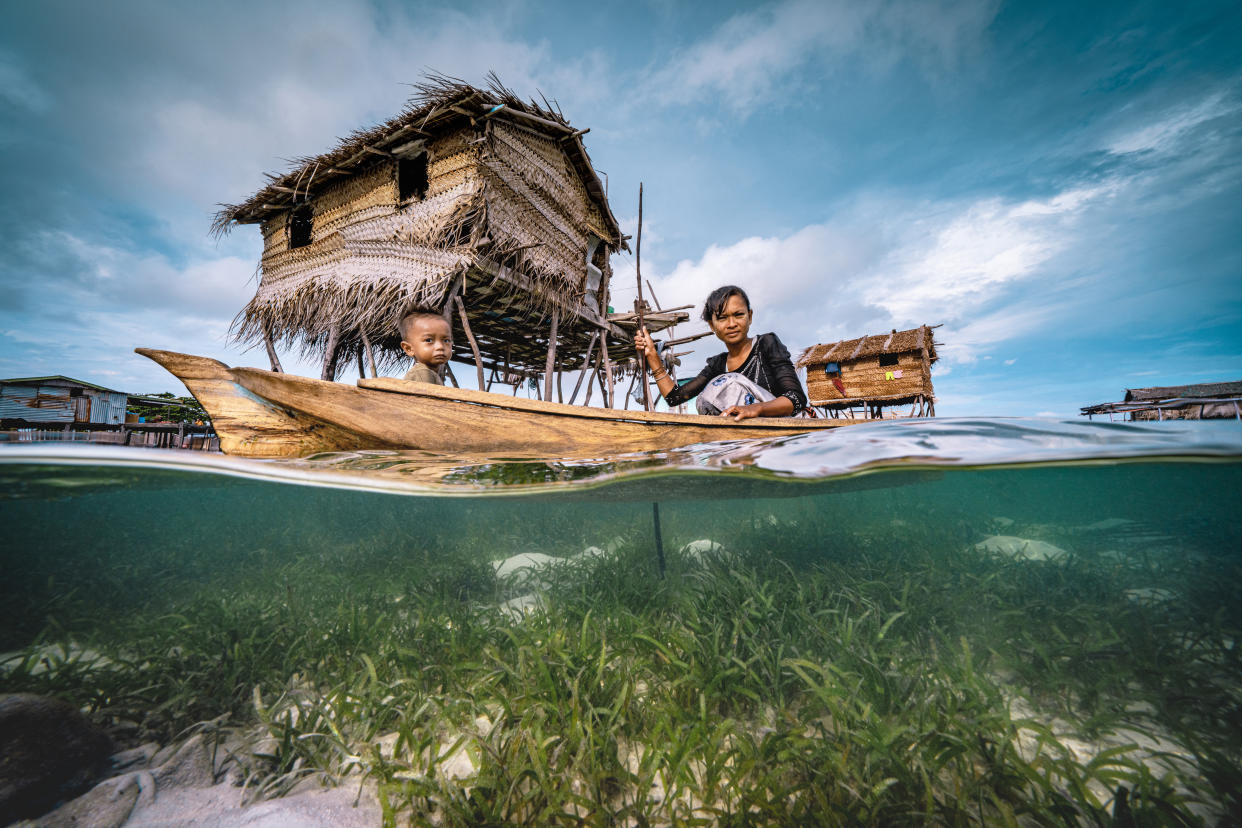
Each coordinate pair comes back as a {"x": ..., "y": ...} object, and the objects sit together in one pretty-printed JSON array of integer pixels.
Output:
[
  {"x": 897, "y": 374},
  {"x": 888, "y": 375}
]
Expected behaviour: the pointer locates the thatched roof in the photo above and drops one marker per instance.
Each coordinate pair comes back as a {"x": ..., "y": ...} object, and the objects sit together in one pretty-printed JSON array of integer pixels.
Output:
[
  {"x": 1206, "y": 390},
  {"x": 893, "y": 342},
  {"x": 440, "y": 103}
]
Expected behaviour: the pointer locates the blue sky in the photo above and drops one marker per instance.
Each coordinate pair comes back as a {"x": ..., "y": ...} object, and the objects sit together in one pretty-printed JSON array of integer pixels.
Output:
[{"x": 1059, "y": 184}]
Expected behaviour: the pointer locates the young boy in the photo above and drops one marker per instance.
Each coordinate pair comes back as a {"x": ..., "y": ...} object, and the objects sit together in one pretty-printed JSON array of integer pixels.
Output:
[{"x": 427, "y": 337}]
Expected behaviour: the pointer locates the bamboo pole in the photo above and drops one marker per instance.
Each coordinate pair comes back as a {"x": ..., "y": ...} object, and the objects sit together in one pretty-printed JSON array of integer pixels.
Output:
[
  {"x": 362, "y": 369},
  {"x": 640, "y": 305},
  {"x": 550, "y": 365},
  {"x": 474, "y": 346}
]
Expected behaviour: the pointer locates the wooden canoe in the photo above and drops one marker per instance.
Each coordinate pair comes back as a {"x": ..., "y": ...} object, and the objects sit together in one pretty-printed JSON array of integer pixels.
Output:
[{"x": 258, "y": 413}]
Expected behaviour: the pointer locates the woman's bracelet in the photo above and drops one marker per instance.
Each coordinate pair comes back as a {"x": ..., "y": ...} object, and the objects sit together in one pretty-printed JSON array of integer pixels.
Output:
[{"x": 661, "y": 374}]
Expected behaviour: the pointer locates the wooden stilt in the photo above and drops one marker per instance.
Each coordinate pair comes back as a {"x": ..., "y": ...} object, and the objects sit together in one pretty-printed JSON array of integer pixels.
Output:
[
  {"x": 591, "y": 381},
  {"x": 474, "y": 346},
  {"x": 448, "y": 372},
  {"x": 586, "y": 366},
  {"x": 362, "y": 368},
  {"x": 366, "y": 346},
  {"x": 560, "y": 394},
  {"x": 550, "y": 365},
  {"x": 609, "y": 402},
  {"x": 271, "y": 352},
  {"x": 630, "y": 391},
  {"x": 329, "y": 354}
]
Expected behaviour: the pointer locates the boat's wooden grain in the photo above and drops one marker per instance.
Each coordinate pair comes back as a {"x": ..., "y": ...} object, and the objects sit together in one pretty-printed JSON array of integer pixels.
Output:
[
  {"x": 268, "y": 414},
  {"x": 247, "y": 425}
]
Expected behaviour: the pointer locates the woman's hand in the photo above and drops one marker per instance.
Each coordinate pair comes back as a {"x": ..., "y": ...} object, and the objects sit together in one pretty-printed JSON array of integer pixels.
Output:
[
  {"x": 743, "y": 412},
  {"x": 646, "y": 348}
]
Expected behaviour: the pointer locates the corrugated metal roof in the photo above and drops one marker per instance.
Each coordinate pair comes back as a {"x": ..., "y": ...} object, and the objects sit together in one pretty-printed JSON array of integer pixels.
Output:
[{"x": 61, "y": 377}]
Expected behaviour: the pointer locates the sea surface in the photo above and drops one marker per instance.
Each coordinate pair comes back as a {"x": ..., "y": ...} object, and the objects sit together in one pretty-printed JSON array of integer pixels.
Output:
[{"x": 949, "y": 621}]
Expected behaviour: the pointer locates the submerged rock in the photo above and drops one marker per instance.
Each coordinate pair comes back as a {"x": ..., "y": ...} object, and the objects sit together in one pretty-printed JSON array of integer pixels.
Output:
[
  {"x": 703, "y": 549},
  {"x": 1151, "y": 595},
  {"x": 1022, "y": 548},
  {"x": 48, "y": 751},
  {"x": 523, "y": 562}
]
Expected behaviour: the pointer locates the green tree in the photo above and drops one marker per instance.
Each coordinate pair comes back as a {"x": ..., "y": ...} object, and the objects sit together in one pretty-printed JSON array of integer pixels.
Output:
[{"x": 182, "y": 410}]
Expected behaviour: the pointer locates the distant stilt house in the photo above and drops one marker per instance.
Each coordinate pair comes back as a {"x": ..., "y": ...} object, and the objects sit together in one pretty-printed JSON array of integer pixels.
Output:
[
  {"x": 873, "y": 374},
  {"x": 470, "y": 201},
  {"x": 1206, "y": 401},
  {"x": 60, "y": 399}
]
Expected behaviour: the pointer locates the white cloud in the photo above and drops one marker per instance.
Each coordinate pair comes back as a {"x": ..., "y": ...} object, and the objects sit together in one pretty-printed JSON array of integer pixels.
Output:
[
  {"x": 1166, "y": 133},
  {"x": 754, "y": 54},
  {"x": 898, "y": 265},
  {"x": 116, "y": 277},
  {"x": 946, "y": 270}
]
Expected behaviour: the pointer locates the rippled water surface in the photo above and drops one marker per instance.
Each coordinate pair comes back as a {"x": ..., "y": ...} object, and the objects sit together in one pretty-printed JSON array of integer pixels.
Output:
[{"x": 952, "y": 620}]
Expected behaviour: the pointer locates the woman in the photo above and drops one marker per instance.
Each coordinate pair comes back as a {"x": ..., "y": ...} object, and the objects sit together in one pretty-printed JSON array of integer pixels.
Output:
[{"x": 753, "y": 378}]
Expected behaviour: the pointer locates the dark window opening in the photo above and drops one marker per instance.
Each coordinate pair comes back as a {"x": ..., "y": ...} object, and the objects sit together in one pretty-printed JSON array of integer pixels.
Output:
[
  {"x": 300, "y": 222},
  {"x": 412, "y": 177},
  {"x": 888, "y": 359}
]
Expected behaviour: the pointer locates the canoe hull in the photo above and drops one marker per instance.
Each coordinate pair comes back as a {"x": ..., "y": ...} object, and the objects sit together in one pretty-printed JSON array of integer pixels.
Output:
[{"x": 261, "y": 413}]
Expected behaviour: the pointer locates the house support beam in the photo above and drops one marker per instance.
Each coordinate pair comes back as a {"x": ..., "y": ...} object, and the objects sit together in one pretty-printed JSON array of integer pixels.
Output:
[
  {"x": 328, "y": 373},
  {"x": 586, "y": 366},
  {"x": 474, "y": 346},
  {"x": 550, "y": 366},
  {"x": 366, "y": 345},
  {"x": 271, "y": 352}
]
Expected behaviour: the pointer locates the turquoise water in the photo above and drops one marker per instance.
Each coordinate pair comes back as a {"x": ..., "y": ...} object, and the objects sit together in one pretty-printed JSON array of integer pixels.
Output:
[{"x": 948, "y": 621}]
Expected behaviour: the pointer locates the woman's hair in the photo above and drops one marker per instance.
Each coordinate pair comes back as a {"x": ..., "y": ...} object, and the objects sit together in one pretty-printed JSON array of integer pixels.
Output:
[{"x": 714, "y": 306}]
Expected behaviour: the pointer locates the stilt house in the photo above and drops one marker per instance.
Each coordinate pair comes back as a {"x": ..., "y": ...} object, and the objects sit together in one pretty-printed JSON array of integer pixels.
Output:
[
  {"x": 872, "y": 373},
  {"x": 60, "y": 399},
  {"x": 471, "y": 201},
  {"x": 1205, "y": 401}
]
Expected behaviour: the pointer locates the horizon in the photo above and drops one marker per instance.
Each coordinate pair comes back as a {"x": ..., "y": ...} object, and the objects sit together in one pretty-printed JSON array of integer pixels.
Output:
[{"x": 1058, "y": 186}]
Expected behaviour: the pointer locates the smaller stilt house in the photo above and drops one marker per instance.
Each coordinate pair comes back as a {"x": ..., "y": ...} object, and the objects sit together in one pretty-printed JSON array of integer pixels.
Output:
[
  {"x": 60, "y": 399},
  {"x": 873, "y": 374},
  {"x": 1205, "y": 401},
  {"x": 471, "y": 201}
]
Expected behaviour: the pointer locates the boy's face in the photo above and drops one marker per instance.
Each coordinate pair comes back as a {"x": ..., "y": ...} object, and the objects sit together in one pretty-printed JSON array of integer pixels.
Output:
[{"x": 429, "y": 340}]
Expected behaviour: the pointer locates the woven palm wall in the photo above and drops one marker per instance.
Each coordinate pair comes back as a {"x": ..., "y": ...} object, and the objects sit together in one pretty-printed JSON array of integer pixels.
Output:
[{"x": 863, "y": 374}]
